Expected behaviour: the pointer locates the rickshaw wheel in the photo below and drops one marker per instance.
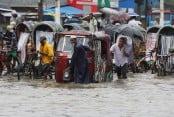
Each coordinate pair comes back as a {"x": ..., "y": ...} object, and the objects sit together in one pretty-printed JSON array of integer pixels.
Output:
[
  {"x": 142, "y": 68},
  {"x": 153, "y": 68},
  {"x": 161, "y": 72}
]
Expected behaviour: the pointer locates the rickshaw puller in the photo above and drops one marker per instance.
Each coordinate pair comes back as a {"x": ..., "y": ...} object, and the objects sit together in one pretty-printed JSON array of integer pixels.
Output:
[
  {"x": 47, "y": 56},
  {"x": 11, "y": 45}
]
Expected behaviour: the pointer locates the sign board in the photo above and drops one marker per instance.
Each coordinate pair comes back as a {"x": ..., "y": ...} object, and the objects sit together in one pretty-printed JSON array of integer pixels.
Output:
[
  {"x": 84, "y": 0},
  {"x": 114, "y": 3},
  {"x": 151, "y": 41},
  {"x": 87, "y": 2}
]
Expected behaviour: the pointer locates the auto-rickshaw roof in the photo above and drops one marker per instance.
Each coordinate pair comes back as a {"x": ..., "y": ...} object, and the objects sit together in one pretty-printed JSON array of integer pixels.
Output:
[
  {"x": 97, "y": 35},
  {"x": 76, "y": 32}
]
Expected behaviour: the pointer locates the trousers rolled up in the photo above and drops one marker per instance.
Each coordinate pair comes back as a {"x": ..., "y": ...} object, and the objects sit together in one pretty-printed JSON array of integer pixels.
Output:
[{"x": 122, "y": 71}]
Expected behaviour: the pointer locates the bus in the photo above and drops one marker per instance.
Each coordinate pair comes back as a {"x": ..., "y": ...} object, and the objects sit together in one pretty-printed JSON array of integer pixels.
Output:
[{"x": 154, "y": 17}]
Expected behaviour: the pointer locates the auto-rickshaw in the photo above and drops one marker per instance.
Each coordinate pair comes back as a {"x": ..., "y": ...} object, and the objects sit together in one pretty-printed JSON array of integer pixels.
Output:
[
  {"x": 165, "y": 51},
  {"x": 99, "y": 58}
]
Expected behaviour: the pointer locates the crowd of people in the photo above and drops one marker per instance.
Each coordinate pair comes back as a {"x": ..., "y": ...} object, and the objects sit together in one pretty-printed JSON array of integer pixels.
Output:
[{"x": 79, "y": 64}]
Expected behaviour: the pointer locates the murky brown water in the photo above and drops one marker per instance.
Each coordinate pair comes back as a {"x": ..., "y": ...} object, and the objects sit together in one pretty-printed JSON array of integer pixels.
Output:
[{"x": 141, "y": 95}]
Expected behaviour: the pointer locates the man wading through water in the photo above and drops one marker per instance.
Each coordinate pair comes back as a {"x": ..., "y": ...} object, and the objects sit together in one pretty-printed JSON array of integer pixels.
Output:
[
  {"x": 79, "y": 62},
  {"x": 121, "y": 57}
]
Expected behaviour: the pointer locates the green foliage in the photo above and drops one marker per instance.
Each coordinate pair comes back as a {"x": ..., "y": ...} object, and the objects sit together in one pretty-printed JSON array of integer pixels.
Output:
[{"x": 169, "y": 4}]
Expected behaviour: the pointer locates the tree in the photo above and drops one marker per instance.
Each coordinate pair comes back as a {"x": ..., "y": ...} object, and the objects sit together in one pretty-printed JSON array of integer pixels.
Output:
[{"x": 139, "y": 1}]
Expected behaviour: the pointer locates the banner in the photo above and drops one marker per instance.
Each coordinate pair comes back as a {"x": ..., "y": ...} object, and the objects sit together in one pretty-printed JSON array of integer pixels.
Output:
[
  {"x": 151, "y": 41},
  {"x": 104, "y": 3}
]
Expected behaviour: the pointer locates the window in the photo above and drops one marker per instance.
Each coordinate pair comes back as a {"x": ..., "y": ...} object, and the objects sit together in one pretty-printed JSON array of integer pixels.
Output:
[{"x": 65, "y": 43}]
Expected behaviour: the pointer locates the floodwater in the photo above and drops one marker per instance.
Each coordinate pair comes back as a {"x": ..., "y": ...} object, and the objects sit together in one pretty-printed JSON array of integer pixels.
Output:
[{"x": 141, "y": 95}]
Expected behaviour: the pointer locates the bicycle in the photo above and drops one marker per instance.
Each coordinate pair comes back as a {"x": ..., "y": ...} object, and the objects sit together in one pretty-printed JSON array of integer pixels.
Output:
[
  {"x": 35, "y": 65},
  {"x": 2, "y": 61},
  {"x": 28, "y": 65},
  {"x": 10, "y": 64}
]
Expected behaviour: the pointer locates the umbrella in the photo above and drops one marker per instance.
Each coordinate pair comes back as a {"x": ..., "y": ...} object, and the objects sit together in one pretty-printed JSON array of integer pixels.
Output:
[
  {"x": 109, "y": 11},
  {"x": 109, "y": 29},
  {"x": 73, "y": 26},
  {"x": 115, "y": 14},
  {"x": 131, "y": 31}
]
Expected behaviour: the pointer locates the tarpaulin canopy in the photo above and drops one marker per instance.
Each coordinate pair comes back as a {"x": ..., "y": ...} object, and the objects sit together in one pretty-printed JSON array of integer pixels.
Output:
[
  {"x": 115, "y": 14},
  {"x": 68, "y": 10},
  {"x": 5, "y": 8}
]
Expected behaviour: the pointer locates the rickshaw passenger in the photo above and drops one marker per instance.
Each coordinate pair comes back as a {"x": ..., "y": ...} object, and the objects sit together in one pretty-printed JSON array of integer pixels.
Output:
[
  {"x": 121, "y": 57},
  {"x": 79, "y": 63},
  {"x": 47, "y": 56}
]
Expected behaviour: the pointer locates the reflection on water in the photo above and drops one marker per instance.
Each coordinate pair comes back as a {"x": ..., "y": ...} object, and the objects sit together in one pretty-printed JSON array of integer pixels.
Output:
[{"x": 141, "y": 95}]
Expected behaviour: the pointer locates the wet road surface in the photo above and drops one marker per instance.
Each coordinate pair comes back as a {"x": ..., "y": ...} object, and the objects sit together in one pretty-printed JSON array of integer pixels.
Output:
[{"x": 141, "y": 95}]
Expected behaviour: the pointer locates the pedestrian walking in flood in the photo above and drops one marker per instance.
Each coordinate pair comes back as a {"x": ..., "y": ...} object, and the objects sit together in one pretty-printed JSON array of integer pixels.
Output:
[
  {"x": 93, "y": 24},
  {"x": 11, "y": 46},
  {"x": 121, "y": 55},
  {"x": 79, "y": 62}
]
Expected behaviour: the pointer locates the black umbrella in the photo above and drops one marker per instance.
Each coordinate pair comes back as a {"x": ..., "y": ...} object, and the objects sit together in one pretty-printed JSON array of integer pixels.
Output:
[
  {"x": 131, "y": 31},
  {"x": 73, "y": 26}
]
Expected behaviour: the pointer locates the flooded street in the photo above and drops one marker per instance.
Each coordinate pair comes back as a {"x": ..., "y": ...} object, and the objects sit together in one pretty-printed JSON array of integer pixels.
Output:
[{"x": 141, "y": 95}]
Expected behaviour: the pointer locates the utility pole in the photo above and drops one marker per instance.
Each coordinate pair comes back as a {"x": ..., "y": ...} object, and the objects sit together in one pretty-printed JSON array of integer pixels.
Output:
[
  {"x": 161, "y": 12},
  {"x": 40, "y": 10},
  {"x": 57, "y": 12}
]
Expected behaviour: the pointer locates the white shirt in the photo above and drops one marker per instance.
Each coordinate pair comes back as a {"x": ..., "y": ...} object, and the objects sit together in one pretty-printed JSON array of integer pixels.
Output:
[
  {"x": 133, "y": 22},
  {"x": 92, "y": 23},
  {"x": 120, "y": 59}
]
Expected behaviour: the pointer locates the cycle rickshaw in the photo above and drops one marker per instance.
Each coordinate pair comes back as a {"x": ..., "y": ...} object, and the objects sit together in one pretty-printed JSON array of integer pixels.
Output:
[
  {"x": 45, "y": 28},
  {"x": 165, "y": 51},
  {"x": 49, "y": 30},
  {"x": 135, "y": 39},
  {"x": 151, "y": 40}
]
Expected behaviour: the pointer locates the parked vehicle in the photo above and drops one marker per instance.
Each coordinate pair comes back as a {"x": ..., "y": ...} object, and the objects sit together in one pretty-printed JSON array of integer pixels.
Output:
[
  {"x": 99, "y": 60},
  {"x": 25, "y": 46},
  {"x": 164, "y": 50},
  {"x": 155, "y": 15},
  {"x": 25, "y": 27},
  {"x": 151, "y": 40}
]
